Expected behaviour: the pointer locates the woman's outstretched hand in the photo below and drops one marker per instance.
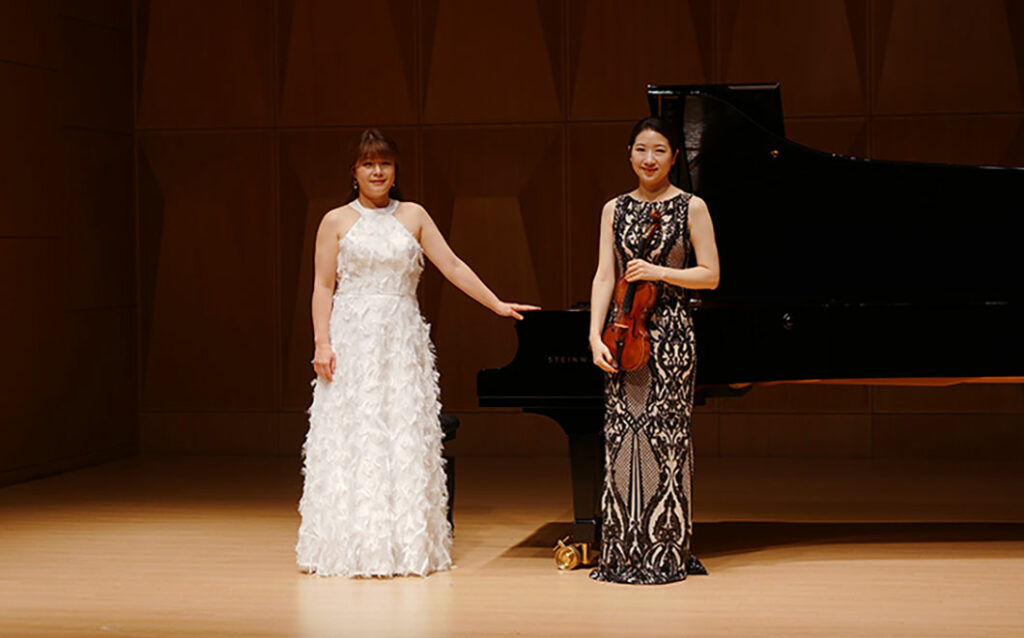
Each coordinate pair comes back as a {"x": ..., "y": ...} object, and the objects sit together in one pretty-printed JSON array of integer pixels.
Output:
[
  {"x": 640, "y": 270},
  {"x": 602, "y": 356},
  {"x": 506, "y": 309},
  {"x": 324, "y": 362}
]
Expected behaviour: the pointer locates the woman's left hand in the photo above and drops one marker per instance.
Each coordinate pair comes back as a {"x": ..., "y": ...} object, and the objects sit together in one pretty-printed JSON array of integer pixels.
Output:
[
  {"x": 506, "y": 309},
  {"x": 640, "y": 270}
]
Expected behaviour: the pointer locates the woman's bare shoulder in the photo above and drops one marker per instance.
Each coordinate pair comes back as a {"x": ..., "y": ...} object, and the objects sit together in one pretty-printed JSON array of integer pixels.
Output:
[
  {"x": 414, "y": 214},
  {"x": 339, "y": 220},
  {"x": 340, "y": 213},
  {"x": 411, "y": 211},
  {"x": 410, "y": 204},
  {"x": 697, "y": 204},
  {"x": 609, "y": 206}
]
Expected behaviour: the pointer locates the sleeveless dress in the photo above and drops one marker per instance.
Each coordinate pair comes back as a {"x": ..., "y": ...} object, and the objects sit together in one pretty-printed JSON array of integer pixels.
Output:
[
  {"x": 646, "y": 524},
  {"x": 374, "y": 498}
]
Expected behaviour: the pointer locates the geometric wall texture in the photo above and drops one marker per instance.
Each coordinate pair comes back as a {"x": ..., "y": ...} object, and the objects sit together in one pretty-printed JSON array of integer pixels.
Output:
[
  {"x": 511, "y": 118},
  {"x": 179, "y": 154},
  {"x": 68, "y": 364}
]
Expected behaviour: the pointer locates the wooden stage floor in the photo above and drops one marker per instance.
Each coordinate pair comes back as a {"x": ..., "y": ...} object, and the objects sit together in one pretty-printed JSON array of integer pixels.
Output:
[{"x": 203, "y": 546}]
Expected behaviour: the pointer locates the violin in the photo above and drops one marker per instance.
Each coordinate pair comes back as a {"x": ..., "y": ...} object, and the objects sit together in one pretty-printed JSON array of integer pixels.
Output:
[{"x": 626, "y": 334}]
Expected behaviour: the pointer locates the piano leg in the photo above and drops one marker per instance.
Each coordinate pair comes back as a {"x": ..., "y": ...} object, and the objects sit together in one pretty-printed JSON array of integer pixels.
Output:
[{"x": 585, "y": 429}]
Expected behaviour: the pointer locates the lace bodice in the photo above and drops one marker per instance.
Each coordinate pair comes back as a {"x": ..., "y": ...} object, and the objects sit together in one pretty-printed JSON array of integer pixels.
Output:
[{"x": 378, "y": 255}]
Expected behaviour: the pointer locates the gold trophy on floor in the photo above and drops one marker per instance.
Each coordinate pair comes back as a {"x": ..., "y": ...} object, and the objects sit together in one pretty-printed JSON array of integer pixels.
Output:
[{"x": 572, "y": 555}]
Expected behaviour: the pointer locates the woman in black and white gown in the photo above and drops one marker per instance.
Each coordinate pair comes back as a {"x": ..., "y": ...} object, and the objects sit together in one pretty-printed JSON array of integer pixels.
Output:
[{"x": 646, "y": 520}]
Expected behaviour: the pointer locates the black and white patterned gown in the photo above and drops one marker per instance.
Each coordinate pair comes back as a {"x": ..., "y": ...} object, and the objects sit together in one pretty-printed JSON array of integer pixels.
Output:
[{"x": 645, "y": 535}]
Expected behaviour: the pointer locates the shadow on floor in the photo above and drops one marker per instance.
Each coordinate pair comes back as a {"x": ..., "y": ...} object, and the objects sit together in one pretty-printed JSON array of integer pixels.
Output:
[{"x": 724, "y": 539}]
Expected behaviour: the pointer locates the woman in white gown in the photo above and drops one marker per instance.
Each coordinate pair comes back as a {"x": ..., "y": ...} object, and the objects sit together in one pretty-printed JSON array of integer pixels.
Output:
[{"x": 374, "y": 499}]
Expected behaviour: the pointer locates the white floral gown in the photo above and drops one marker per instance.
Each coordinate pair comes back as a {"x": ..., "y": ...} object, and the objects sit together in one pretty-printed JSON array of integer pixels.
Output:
[{"x": 374, "y": 499}]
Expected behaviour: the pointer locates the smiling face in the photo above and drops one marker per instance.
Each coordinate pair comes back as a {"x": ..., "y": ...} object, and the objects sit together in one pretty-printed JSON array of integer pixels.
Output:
[
  {"x": 651, "y": 156},
  {"x": 375, "y": 175}
]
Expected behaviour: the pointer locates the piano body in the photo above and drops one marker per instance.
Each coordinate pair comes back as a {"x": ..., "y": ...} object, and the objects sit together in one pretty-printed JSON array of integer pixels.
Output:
[{"x": 835, "y": 269}]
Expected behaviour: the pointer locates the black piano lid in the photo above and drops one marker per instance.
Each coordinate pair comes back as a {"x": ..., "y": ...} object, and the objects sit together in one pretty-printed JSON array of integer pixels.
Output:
[
  {"x": 804, "y": 227},
  {"x": 762, "y": 103},
  {"x": 833, "y": 267}
]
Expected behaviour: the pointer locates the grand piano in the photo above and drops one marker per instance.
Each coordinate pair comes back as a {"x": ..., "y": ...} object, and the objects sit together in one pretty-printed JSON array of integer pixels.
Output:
[{"x": 834, "y": 269}]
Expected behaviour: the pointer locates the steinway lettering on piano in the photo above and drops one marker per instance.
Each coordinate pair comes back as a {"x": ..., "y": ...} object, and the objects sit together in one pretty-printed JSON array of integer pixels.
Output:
[{"x": 555, "y": 359}]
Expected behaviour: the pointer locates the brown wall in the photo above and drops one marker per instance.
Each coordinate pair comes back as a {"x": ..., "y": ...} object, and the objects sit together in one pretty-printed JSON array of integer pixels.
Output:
[
  {"x": 67, "y": 237},
  {"x": 512, "y": 118}
]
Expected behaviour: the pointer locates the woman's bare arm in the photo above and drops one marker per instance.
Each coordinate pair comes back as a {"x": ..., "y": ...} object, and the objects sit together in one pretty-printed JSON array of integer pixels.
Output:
[
  {"x": 602, "y": 288},
  {"x": 325, "y": 264},
  {"x": 458, "y": 272}
]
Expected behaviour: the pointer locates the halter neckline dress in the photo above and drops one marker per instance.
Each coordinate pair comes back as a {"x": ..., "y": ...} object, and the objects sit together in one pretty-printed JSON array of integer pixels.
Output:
[{"x": 374, "y": 497}]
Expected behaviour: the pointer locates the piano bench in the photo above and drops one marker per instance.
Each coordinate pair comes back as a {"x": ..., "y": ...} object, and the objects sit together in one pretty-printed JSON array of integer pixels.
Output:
[{"x": 449, "y": 424}]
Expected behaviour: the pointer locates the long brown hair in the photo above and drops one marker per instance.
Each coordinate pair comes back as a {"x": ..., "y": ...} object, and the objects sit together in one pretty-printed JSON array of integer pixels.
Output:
[{"x": 374, "y": 143}]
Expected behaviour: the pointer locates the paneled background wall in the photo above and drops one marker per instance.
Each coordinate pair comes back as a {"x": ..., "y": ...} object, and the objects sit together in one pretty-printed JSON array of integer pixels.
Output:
[
  {"x": 512, "y": 119},
  {"x": 67, "y": 237}
]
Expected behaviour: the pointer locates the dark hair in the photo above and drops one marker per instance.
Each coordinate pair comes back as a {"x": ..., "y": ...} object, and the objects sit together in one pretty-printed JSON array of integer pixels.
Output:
[
  {"x": 374, "y": 143},
  {"x": 657, "y": 125}
]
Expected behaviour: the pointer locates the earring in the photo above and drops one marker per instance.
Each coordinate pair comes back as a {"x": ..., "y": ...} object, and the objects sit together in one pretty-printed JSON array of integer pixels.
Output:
[{"x": 355, "y": 186}]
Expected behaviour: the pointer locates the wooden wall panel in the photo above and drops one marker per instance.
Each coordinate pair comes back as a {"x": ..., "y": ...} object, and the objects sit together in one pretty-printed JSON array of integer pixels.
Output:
[
  {"x": 30, "y": 311},
  {"x": 30, "y": 33},
  {"x": 816, "y": 48},
  {"x": 943, "y": 56},
  {"x": 705, "y": 430},
  {"x": 846, "y": 136},
  {"x": 993, "y": 140},
  {"x": 958, "y": 399},
  {"x": 31, "y": 317},
  {"x": 116, "y": 14},
  {"x": 952, "y": 436},
  {"x": 616, "y": 48},
  {"x": 97, "y": 86},
  {"x": 98, "y": 227},
  {"x": 67, "y": 238},
  {"x": 347, "y": 63},
  {"x": 205, "y": 64},
  {"x": 68, "y": 378},
  {"x": 497, "y": 61},
  {"x": 598, "y": 170},
  {"x": 314, "y": 178},
  {"x": 30, "y": 158},
  {"x": 512, "y": 117},
  {"x": 801, "y": 434},
  {"x": 801, "y": 398},
  {"x": 98, "y": 402},
  {"x": 498, "y": 195},
  {"x": 206, "y": 211},
  {"x": 293, "y": 427},
  {"x": 169, "y": 432},
  {"x": 209, "y": 432}
]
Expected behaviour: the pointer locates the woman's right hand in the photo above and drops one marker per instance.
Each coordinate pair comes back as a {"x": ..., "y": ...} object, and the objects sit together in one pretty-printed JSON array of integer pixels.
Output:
[
  {"x": 602, "y": 356},
  {"x": 505, "y": 309},
  {"x": 324, "y": 362}
]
